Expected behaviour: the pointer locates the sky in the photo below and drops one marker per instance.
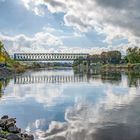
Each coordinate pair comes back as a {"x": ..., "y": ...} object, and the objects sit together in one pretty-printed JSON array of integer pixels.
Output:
[{"x": 69, "y": 26}]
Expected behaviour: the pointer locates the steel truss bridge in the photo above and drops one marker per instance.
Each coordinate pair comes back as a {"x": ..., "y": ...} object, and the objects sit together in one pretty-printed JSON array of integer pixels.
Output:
[
  {"x": 49, "y": 79},
  {"x": 49, "y": 56}
]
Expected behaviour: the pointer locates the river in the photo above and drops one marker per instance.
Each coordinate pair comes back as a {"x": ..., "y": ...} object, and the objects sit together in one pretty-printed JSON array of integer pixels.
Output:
[{"x": 68, "y": 105}]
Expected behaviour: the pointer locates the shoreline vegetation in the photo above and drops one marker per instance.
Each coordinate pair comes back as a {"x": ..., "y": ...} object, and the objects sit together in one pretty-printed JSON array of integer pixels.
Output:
[
  {"x": 120, "y": 67},
  {"x": 111, "y": 60},
  {"x": 8, "y": 66}
]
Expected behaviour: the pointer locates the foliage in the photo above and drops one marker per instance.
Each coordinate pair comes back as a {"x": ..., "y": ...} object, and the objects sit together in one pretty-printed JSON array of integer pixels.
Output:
[
  {"x": 10, "y": 63},
  {"x": 2, "y": 56},
  {"x": 79, "y": 61},
  {"x": 95, "y": 58},
  {"x": 111, "y": 57},
  {"x": 0, "y": 89},
  {"x": 2, "y": 59},
  {"x": 1, "y": 47},
  {"x": 2, "y": 132},
  {"x": 133, "y": 55},
  {"x": 36, "y": 65}
]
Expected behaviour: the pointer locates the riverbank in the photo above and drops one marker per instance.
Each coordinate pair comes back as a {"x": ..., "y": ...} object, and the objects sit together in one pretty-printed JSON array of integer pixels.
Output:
[
  {"x": 6, "y": 72},
  {"x": 9, "y": 71},
  {"x": 121, "y": 67},
  {"x": 9, "y": 130},
  {"x": 12, "y": 68},
  {"x": 109, "y": 67}
]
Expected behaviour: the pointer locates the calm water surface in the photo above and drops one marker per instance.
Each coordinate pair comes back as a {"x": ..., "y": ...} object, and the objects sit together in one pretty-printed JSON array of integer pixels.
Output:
[{"x": 64, "y": 105}]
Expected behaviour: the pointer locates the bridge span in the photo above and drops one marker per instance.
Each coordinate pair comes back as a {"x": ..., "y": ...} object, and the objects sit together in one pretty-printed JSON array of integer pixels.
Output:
[{"x": 49, "y": 56}]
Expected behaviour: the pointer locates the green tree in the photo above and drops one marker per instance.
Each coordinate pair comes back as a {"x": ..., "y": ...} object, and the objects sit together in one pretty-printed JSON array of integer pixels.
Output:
[
  {"x": 111, "y": 57},
  {"x": 78, "y": 61},
  {"x": 104, "y": 57},
  {"x": 114, "y": 57},
  {"x": 133, "y": 55}
]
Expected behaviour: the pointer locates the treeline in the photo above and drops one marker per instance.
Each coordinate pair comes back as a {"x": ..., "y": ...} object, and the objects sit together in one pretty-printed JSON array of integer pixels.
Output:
[
  {"x": 110, "y": 57},
  {"x": 49, "y": 64},
  {"x": 115, "y": 57},
  {"x": 133, "y": 55}
]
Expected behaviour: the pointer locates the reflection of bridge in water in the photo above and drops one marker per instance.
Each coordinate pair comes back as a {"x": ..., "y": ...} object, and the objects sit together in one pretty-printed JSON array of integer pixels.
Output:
[{"x": 49, "y": 79}]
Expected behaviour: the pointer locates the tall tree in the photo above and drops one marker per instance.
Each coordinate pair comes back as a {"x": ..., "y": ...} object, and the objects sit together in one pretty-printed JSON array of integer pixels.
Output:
[
  {"x": 133, "y": 55},
  {"x": 114, "y": 57},
  {"x": 104, "y": 57},
  {"x": 111, "y": 57}
]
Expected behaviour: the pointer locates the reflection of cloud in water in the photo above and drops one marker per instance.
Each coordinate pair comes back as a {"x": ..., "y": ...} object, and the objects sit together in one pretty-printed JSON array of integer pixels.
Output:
[
  {"x": 50, "y": 98},
  {"x": 109, "y": 115},
  {"x": 115, "y": 117},
  {"x": 50, "y": 72},
  {"x": 38, "y": 124},
  {"x": 47, "y": 94},
  {"x": 43, "y": 94}
]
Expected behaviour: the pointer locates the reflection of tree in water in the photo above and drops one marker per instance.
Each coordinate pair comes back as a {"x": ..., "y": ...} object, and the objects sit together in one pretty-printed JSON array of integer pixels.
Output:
[
  {"x": 111, "y": 77},
  {"x": 0, "y": 89},
  {"x": 3, "y": 84},
  {"x": 133, "y": 78}
]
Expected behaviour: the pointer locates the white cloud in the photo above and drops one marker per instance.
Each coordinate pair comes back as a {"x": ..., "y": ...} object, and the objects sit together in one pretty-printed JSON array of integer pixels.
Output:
[
  {"x": 116, "y": 19},
  {"x": 40, "y": 42},
  {"x": 35, "y": 6},
  {"x": 38, "y": 12},
  {"x": 46, "y": 41},
  {"x": 49, "y": 29}
]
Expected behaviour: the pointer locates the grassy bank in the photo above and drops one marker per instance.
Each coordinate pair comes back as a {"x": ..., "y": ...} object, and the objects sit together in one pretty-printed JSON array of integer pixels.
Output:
[{"x": 12, "y": 66}]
